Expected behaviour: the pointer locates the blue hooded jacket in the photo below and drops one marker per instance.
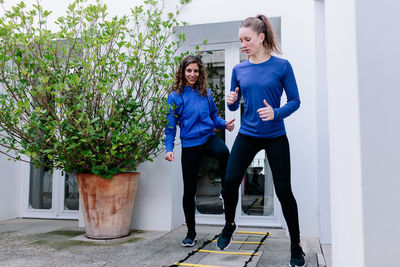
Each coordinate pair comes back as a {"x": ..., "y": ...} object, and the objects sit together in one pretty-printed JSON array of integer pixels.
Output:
[{"x": 196, "y": 115}]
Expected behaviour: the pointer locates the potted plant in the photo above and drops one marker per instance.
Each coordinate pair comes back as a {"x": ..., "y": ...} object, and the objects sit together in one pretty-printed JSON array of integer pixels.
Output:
[{"x": 88, "y": 97}]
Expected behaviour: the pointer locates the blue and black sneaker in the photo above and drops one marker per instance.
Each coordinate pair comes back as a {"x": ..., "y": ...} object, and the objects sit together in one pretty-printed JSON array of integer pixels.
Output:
[
  {"x": 224, "y": 239},
  {"x": 297, "y": 256},
  {"x": 190, "y": 240}
]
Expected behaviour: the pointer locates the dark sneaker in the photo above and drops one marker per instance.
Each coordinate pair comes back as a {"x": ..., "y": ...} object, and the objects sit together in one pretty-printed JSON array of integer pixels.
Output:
[
  {"x": 224, "y": 239},
  {"x": 190, "y": 240},
  {"x": 297, "y": 256}
]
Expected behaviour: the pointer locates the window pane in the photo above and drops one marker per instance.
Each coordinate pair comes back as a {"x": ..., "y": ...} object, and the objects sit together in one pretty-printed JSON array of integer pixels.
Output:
[
  {"x": 40, "y": 188},
  {"x": 257, "y": 188},
  {"x": 71, "y": 196}
]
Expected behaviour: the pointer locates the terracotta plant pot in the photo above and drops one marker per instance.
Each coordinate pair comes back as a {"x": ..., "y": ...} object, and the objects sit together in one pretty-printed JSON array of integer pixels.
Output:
[{"x": 107, "y": 205}]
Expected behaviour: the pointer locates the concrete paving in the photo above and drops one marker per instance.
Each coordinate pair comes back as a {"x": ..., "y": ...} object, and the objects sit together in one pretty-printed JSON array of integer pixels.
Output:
[{"x": 37, "y": 242}]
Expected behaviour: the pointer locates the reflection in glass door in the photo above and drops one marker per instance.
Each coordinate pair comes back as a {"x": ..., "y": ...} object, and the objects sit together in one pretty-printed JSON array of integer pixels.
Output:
[
  {"x": 40, "y": 188},
  {"x": 71, "y": 193},
  {"x": 208, "y": 197},
  {"x": 257, "y": 192}
]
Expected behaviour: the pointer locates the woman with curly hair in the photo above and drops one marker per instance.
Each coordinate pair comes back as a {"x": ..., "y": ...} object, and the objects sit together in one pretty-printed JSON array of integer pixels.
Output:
[{"x": 193, "y": 109}]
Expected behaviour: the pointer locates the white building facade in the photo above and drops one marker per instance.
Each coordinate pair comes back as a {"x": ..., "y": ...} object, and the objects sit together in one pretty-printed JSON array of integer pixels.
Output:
[{"x": 343, "y": 139}]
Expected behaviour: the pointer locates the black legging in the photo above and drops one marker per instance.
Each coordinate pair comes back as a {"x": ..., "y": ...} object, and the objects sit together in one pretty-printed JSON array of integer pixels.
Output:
[
  {"x": 190, "y": 160},
  {"x": 243, "y": 151}
]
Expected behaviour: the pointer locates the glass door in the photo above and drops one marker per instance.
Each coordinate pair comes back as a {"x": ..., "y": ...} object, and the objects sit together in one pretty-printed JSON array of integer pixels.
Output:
[
  {"x": 49, "y": 194},
  {"x": 209, "y": 207},
  {"x": 257, "y": 205},
  {"x": 257, "y": 192}
]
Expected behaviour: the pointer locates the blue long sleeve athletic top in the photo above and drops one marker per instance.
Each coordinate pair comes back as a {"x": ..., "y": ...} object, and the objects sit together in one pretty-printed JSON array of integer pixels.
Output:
[
  {"x": 267, "y": 81},
  {"x": 196, "y": 115}
]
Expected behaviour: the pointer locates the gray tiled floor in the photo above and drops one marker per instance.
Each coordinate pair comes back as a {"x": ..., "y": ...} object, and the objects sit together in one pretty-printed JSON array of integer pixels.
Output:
[{"x": 33, "y": 242}]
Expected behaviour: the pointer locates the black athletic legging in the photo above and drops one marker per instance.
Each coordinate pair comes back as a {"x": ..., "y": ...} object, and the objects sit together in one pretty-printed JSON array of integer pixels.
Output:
[
  {"x": 277, "y": 149},
  {"x": 191, "y": 156}
]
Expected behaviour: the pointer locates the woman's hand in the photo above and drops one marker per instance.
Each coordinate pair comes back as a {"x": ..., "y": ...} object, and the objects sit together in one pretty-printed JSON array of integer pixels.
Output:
[
  {"x": 230, "y": 125},
  {"x": 169, "y": 156},
  {"x": 267, "y": 113},
  {"x": 232, "y": 96}
]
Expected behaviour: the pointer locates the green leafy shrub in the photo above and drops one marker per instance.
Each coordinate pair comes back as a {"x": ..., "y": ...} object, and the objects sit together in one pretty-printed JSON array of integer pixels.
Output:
[{"x": 89, "y": 96}]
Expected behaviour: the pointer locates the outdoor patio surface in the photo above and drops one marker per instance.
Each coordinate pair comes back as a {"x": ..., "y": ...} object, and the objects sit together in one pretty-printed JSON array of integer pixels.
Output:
[{"x": 37, "y": 242}]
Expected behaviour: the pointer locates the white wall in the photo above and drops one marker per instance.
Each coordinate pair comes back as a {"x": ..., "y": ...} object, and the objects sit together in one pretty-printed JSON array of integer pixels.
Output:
[
  {"x": 378, "y": 42},
  {"x": 159, "y": 195},
  {"x": 177, "y": 216},
  {"x": 323, "y": 162},
  {"x": 344, "y": 131},
  {"x": 363, "y": 78},
  {"x": 10, "y": 192},
  {"x": 9, "y": 188}
]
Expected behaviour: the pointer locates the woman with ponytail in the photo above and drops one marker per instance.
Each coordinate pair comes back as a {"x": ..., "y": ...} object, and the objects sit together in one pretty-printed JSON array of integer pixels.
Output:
[{"x": 261, "y": 81}]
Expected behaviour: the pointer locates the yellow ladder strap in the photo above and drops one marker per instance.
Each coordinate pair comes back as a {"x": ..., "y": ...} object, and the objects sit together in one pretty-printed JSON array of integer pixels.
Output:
[
  {"x": 244, "y": 242},
  {"x": 226, "y": 252},
  {"x": 252, "y": 233}
]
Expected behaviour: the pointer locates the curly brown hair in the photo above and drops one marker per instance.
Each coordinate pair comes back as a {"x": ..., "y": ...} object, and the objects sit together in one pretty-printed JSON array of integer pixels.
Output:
[{"x": 180, "y": 80}]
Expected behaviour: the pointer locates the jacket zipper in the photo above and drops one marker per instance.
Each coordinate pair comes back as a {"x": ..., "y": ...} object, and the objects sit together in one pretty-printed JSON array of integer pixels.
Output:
[{"x": 198, "y": 110}]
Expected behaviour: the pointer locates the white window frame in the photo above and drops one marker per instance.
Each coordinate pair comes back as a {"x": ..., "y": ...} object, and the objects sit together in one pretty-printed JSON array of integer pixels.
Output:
[{"x": 57, "y": 210}]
